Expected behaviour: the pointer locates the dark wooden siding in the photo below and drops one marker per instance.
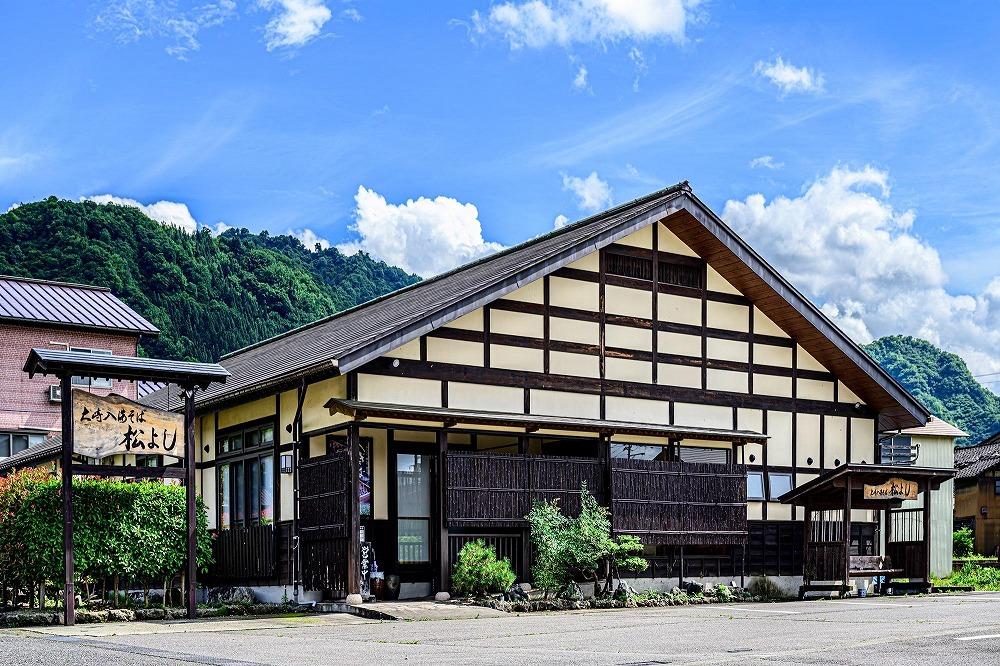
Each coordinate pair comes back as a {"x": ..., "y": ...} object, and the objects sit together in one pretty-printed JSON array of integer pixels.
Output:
[
  {"x": 680, "y": 503},
  {"x": 497, "y": 490},
  {"x": 324, "y": 492}
]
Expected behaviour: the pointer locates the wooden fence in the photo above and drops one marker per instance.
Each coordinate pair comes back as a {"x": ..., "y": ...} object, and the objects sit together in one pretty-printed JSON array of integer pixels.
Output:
[
  {"x": 668, "y": 502},
  {"x": 497, "y": 490},
  {"x": 245, "y": 552}
]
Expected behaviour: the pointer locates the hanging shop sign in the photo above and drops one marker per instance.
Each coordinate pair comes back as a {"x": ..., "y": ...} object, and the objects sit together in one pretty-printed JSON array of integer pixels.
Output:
[
  {"x": 893, "y": 489},
  {"x": 109, "y": 425}
]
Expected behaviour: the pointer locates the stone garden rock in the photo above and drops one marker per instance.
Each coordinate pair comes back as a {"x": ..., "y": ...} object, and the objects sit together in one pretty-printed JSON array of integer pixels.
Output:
[{"x": 230, "y": 595}]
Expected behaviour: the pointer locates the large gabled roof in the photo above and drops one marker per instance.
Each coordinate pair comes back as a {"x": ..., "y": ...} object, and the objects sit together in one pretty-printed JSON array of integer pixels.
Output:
[
  {"x": 48, "y": 303},
  {"x": 349, "y": 339}
]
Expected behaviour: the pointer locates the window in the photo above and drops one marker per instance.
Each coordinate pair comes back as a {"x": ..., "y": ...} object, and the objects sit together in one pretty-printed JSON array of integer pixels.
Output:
[
  {"x": 92, "y": 382},
  {"x": 779, "y": 484},
  {"x": 679, "y": 272},
  {"x": 413, "y": 508},
  {"x": 704, "y": 454},
  {"x": 996, "y": 486},
  {"x": 246, "y": 482},
  {"x": 628, "y": 266},
  {"x": 682, "y": 275},
  {"x": 755, "y": 485},
  {"x": 11, "y": 443},
  {"x": 639, "y": 451},
  {"x": 898, "y": 451}
]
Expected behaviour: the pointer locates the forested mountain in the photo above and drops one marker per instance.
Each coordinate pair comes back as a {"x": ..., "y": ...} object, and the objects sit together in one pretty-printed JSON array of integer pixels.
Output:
[
  {"x": 941, "y": 382},
  {"x": 207, "y": 294}
]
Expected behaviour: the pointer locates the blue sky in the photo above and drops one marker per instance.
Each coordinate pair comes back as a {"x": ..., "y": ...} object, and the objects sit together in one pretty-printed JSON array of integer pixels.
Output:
[{"x": 869, "y": 132}]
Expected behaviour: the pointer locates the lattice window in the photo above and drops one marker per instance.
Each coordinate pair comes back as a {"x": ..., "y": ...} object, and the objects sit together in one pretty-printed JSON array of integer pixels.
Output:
[
  {"x": 682, "y": 275},
  {"x": 628, "y": 266}
]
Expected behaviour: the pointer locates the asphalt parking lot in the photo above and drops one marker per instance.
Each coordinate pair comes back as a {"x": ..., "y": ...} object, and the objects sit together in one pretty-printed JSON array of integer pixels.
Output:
[{"x": 960, "y": 629}]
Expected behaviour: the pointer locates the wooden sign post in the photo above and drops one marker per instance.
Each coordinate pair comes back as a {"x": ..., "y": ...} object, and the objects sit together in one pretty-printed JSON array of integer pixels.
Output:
[{"x": 99, "y": 426}]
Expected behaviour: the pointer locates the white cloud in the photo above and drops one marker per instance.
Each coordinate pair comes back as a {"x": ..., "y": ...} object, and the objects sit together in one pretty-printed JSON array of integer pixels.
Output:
[
  {"x": 352, "y": 14},
  {"x": 639, "y": 61},
  {"x": 560, "y": 221},
  {"x": 422, "y": 236},
  {"x": 219, "y": 228},
  {"x": 541, "y": 23},
  {"x": 170, "y": 213},
  {"x": 297, "y": 22},
  {"x": 592, "y": 193},
  {"x": 309, "y": 238},
  {"x": 849, "y": 249},
  {"x": 132, "y": 20},
  {"x": 765, "y": 162},
  {"x": 790, "y": 78},
  {"x": 580, "y": 81}
]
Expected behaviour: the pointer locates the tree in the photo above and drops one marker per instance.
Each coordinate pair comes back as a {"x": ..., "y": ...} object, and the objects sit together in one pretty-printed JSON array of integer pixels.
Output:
[{"x": 581, "y": 548}]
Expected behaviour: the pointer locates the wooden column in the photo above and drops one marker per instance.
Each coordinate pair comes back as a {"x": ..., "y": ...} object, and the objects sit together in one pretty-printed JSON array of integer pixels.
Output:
[
  {"x": 444, "y": 571},
  {"x": 927, "y": 532},
  {"x": 806, "y": 533},
  {"x": 847, "y": 535},
  {"x": 354, "y": 527},
  {"x": 192, "y": 518},
  {"x": 69, "y": 589}
]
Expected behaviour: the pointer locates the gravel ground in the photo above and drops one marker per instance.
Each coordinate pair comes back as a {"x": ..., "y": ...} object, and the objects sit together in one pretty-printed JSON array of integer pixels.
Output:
[{"x": 960, "y": 629}]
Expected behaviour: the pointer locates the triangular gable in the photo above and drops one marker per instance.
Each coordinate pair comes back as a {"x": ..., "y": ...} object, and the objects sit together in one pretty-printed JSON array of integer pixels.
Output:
[{"x": 354, "y": 337}]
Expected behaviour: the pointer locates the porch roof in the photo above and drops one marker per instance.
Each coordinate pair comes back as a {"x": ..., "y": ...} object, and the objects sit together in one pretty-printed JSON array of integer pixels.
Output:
[
  {"x": 827, "y": 490},
  {"x": 361, "y": 410},
  {"x": 136, "y": 368}
]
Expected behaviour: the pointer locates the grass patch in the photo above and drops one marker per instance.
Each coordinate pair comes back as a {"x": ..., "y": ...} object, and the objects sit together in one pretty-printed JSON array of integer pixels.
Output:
[{"x": 975, "y": 576}]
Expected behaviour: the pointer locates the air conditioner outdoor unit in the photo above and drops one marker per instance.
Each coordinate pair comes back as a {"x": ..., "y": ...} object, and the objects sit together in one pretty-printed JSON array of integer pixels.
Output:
[{"x": 55, "y": 393}]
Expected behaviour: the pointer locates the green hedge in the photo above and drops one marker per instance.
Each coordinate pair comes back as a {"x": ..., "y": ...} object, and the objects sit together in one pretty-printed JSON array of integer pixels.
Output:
[{"x": 136, "y": 531}]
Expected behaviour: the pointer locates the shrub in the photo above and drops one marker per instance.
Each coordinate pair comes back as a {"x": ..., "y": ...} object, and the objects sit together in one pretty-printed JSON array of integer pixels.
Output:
[
  {"x": 581, "y": 548},
  {"x": 479, "y": 572},
  {"x": 765, "y": 589},
  {"x": 963, "y": 542},
  {"x": 723, "y": 593},
  {"x": 131, "y": 530}
]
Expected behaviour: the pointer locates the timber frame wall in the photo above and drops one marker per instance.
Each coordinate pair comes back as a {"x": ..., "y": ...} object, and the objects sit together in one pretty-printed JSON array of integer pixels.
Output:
[{"x": 582, "y": 342}]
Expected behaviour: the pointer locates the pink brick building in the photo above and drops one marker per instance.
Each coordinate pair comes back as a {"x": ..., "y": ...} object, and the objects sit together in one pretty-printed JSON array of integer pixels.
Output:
[{"x": 56, "y": 315}]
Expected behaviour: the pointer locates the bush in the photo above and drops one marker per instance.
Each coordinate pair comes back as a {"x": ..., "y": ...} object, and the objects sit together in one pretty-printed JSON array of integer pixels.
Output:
[
  {"x": 134, "y": 531},
  {"x": 765, "y": 589},
  {"x": 963, "y": 542},
  {"x": 479, "y": 572},
  {"x": 579, "y": 549}
]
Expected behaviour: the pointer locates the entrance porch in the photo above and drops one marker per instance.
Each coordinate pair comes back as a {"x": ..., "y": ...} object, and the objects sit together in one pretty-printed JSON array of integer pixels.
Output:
[{"x": 836, "y": 555}]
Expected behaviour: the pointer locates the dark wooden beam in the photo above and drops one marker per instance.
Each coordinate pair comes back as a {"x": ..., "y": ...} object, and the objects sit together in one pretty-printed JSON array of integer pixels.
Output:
[
  {"x": 354, "y": 527},
  {"x": 69, "y": 588},
  {"x": 190, "y": 496}
]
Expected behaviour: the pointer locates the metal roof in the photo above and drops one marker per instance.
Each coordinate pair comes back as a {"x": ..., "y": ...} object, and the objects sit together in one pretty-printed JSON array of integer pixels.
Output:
[
  {"x": 58, "y": 362},
  {"x": 935, "y": 428},
  {"x": 33, "y": 455},
  {"x": 362, "y": 410},
  {"x": 347, "y": 340},
  {"x": 64, "y": 304},
  {"x": 971, "y": 461}
]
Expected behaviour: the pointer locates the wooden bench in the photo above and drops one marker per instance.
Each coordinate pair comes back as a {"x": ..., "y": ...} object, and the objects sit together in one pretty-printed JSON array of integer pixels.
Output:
[
  {"x": 861, "y": 566},
  {"x": 868, "y": 566}
]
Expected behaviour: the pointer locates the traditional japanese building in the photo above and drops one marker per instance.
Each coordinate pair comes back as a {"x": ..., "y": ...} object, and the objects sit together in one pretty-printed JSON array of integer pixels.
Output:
[
  {"x": 646, "y": 351},
  {"x": 977, "y": 493}
]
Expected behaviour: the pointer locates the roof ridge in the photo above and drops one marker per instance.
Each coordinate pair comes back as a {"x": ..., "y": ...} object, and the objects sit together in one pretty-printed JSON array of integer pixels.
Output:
[
  {"x": 53, "y": 283},
  {"x": 673, "y": 189}
]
